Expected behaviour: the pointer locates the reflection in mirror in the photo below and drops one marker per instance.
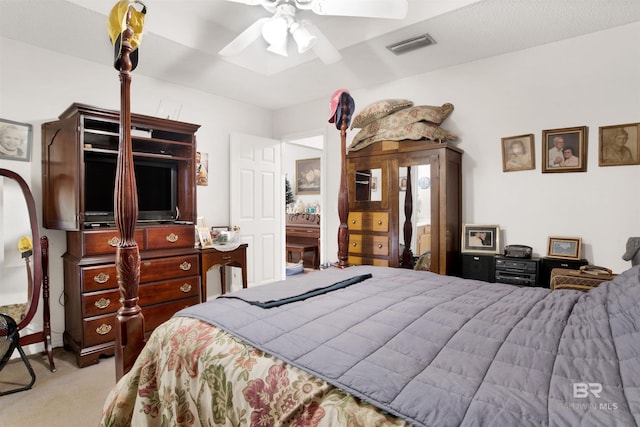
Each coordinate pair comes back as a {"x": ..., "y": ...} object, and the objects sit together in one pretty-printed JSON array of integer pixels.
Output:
[
  {"x": 16, "y": 254},
  {"x": 368, "y": 185},
  {"x": 421, "y": 212}
]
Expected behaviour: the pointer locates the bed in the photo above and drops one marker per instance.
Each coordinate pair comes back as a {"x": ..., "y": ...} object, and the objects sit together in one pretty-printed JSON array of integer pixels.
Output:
[
  {"x": 367, "y": 346},
  {"x": 401, "y": 347}
]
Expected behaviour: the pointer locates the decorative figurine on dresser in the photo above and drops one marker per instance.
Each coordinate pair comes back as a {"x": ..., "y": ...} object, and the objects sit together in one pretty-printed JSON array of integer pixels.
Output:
[{"x": 79, "y": 169}]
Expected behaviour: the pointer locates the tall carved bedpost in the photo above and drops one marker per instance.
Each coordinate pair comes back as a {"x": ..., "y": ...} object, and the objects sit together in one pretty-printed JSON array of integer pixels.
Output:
[
  {"x": 342, "y": 106},
  {"x": 129, "y": 323}
]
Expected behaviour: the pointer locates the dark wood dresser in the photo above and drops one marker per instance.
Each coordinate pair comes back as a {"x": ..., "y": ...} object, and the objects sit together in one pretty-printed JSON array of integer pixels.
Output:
[{"x": 304, "y": 229}]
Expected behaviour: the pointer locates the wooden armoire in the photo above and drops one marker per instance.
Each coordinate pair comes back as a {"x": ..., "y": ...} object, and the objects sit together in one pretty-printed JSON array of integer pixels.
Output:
[{"x": 405, "y": 197}]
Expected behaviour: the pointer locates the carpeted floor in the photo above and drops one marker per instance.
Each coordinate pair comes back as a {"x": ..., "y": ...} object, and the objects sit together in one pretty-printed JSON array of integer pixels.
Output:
[{"x": 68, "y": 397}]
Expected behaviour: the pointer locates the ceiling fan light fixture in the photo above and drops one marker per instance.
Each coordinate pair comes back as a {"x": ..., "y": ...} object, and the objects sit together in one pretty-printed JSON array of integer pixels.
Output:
[
  {"x": 303, "y": 38},
  {"x": 411, "y": 44},
  {"x": 275, "y": 33}
]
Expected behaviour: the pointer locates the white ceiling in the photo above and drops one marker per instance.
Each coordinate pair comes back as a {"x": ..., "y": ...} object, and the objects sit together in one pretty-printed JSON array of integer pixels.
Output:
[{"x": 182, "y": 38}]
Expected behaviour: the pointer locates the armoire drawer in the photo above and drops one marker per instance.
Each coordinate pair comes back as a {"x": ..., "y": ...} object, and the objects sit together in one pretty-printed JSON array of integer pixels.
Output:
[
  {"x": 369, "y": 221},
  {"x": 370, "y": 245},
  {"x": 105, "y": 241},
  {"x": 168, "y": 237},
  {"x": 100, "y": 329},
  {"x": 155, "y": 269},
  {"x": 98, "y": 303},
  {"x": 99, "y": 277},
  {"x": 356, "y": 260}
]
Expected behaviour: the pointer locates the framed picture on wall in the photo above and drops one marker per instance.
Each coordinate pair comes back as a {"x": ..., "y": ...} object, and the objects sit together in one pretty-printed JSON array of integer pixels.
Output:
[
  {"x": 619, "y": 145},
  {"x": 15, "y": 140},
  {"x": 308, "y": 176},
  {"x": 518, "y": 153},
  {"x": 564, "y": 150},
  {"x": 480, "y": 238}
]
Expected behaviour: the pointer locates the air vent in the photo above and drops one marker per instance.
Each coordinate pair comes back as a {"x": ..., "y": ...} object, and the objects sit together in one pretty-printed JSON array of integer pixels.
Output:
[{"x": 411, "y": 44}]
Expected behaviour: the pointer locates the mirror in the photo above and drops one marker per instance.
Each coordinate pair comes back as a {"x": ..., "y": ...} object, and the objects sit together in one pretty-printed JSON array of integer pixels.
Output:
[
  {"x": 368, "y": 185},
  {"x": 24, "y": 262},
  {"x": 17, "y": 260},
  {"x": 419, "y": 187}
]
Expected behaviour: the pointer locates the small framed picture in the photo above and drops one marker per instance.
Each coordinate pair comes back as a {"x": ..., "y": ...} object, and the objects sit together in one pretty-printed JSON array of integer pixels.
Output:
[
  {"x": 205, "y": 237},
  {"x": 215, "y": 231},
  {"x": 564, "y": 247},
  {"x": 15, "y": 140},
  {"x": 518, "y": 153},
  {"x": 202, "y": 168},
  {"x": 619, "y": 145},
  {"x": 564, "y": 150},
  {"x": 403, "y": 183},
  {"x": 481, "y": 238},
  {"x": 308, "y": 176}
]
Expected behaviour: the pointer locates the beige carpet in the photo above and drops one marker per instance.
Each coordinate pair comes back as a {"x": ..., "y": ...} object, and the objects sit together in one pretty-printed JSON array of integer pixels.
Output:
[{"x": 68, "y": 397}]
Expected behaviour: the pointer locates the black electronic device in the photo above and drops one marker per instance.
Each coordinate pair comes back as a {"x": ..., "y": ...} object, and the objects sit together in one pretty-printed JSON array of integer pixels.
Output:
[
  {"x": 517, "y": 271},
  {"x": 518, "y": 251},
  {"x": 156, "y": 182}
]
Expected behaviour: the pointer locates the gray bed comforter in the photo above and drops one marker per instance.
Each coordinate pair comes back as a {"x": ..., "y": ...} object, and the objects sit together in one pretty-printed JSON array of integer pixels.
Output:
[{"x": 444, "y": 351}]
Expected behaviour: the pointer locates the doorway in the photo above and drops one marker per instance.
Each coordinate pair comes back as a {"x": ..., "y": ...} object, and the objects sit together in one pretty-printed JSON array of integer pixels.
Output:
[{"x": 304, "y": 174}]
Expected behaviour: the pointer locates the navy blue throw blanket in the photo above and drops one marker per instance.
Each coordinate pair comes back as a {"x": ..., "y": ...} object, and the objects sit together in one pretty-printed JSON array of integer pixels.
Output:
[{"x": 312, "y": 293}]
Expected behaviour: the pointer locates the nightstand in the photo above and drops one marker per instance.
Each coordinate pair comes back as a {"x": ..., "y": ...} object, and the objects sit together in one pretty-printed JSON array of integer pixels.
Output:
[{"x": 479, "y": 267}]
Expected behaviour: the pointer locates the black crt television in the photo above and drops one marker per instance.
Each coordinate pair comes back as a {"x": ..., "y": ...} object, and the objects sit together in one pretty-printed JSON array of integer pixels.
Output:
[{"x": 156, "y": 182}]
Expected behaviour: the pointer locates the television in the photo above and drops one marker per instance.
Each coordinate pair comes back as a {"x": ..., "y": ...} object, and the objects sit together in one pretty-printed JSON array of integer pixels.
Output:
[{"x": 156, "y": 182}]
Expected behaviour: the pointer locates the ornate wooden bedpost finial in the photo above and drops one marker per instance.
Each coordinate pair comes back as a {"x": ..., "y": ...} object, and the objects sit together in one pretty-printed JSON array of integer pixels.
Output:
[
  {"x": 125, "y": 27},
  {"x": 342, "y": 106}
]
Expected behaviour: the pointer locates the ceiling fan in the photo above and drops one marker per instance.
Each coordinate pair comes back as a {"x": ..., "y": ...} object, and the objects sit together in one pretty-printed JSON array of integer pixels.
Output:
[{"x": 275, "y": 30}]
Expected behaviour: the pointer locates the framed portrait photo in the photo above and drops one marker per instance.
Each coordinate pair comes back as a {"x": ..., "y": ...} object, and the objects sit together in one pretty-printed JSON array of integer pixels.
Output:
[
  {"x": 564, "y": 247},
  {"x": 15, "y": 140},
  {"x": 308, "y": 176},
  {"x": 518, "y": 153},
  {"x": 564, "y": 150},
  {"x": 478, "y": 238},
  {"x": 619, "y": 145},
  {"x": 205, "y": 237}
]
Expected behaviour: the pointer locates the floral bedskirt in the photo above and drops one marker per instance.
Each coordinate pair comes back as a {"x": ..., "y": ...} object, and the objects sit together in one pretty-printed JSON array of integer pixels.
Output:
[{"x": 193, "y": 374}]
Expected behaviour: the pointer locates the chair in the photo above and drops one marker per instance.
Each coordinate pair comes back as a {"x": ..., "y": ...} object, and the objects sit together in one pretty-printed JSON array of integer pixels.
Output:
[{"x": 10, "y": 341}]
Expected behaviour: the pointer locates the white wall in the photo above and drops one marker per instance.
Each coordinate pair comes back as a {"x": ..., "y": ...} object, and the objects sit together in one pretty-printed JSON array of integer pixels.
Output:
[
  {"x": 586, "y": 81},
  {"x": 37, "y": 85}
]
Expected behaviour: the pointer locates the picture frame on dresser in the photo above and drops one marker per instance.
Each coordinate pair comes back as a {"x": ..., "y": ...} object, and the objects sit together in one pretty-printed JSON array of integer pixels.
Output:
[
  {"x": 15, "y": 140},
  {"x": 564, "y": 150},
  {"x": 480, "y": 238},
  {"x": 564, "y": 247},
  {"x": 619, "y": 145},
  {"x": 204, "y": 236}
]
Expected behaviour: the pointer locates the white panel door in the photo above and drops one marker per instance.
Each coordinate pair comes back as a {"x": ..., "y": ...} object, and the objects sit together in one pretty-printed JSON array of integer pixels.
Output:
[{"x": 257, "y": 204}]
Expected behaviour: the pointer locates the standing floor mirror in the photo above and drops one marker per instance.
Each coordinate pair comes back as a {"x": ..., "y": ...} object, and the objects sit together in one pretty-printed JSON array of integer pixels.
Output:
[{"x": 24, "y": 276}]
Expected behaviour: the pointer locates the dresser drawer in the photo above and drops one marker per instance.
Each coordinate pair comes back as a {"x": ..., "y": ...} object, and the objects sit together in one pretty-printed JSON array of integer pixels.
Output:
[
  {"x": 356, "y": 260},
  {"x": 100, "y": 329},
  {"x": 98, "y": 303},
  {"x": 370, "y": 245},
  {"x": 178, "y": 236},
  {"x": 99, "y": 277},
  {"x": 103, "y": 242},
  {"x": 156, "y": 269},
  {"x": 154, "y": 293},
  {"x": 369, "y": 221}
]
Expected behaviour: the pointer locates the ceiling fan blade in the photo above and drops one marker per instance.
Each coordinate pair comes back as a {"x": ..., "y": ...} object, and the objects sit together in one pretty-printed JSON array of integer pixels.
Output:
[
  {"x": 249, "y": 2},
  {"x": 244, "y": 39},
  {"x": 323, "y": 47},
  {"x": 392, "y": 9}
]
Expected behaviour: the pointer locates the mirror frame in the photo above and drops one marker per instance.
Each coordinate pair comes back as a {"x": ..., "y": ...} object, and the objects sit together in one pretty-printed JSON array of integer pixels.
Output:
[{"x": 37, "y": 250}]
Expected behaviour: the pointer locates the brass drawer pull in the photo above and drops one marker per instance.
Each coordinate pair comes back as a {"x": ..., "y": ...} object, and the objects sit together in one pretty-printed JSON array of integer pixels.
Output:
[
  {"x": 101, "y": 278},
  {"x": 172, "y": 238},
  {"x": 114, "y": 241},
  {"x": 103, "y": 329},
  {"x": 353, "y": 221},
  {"x": 102, "y": 303},
  {"x": 379, "y": 245},
  {"x": 185, "y": 287},
  {"x": 226, "y": 257},
  {"x": 354, "y": 244},
  {"x": 379, "y": 222},
  {"x": 185, "y": 266}
]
